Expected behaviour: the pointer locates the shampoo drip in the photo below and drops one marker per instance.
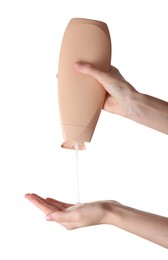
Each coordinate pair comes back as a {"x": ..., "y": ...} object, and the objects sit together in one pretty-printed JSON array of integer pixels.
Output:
[
  {"x": 77, "y": 172},
  {"x": 78, "y": 204}
]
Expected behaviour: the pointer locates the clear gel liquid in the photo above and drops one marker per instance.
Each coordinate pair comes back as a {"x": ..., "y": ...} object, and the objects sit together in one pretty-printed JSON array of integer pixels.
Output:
[
  {"x": 78, "y": 204},
  {"x": 77, "y": 173}
]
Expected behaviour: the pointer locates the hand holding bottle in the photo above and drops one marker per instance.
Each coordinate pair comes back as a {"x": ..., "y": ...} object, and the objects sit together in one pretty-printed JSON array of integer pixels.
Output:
[{"x": 123, "y": 99}]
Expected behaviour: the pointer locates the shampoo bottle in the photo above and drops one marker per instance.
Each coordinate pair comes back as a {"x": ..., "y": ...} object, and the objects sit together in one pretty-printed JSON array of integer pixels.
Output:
[{"x": 81, "y": 97}]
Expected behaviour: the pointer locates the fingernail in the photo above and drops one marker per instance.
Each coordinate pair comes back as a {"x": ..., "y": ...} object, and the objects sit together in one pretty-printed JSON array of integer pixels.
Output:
[
  {"x": 78, "y": 65},
  {"x": 27, "y": 195},
  {"x": 50, "y": 217}
]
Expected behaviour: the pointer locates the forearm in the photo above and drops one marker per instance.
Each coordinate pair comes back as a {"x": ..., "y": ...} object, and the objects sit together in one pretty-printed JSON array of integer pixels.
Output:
[
  {"x": 149, "y": 111},
  {"x": 146, "y": 225}
]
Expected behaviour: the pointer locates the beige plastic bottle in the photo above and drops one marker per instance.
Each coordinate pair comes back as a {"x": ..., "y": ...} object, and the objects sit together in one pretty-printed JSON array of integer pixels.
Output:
[{"x": 81, "y": 97}]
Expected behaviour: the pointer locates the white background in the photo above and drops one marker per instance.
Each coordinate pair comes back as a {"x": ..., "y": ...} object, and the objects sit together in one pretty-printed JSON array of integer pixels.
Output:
[{"x": 125, "y": 161}]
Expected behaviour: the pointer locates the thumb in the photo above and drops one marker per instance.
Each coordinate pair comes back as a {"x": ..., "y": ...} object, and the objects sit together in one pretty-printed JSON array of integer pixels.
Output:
[
  {"x": 62, "y": 216},
  {"x": 90, "y": 70},
  {"x": 68, "y": 219}
]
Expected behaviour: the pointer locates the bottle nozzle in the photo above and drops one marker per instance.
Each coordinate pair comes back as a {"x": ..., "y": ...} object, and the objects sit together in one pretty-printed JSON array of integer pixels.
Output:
[{"x": 71, "y": 145}]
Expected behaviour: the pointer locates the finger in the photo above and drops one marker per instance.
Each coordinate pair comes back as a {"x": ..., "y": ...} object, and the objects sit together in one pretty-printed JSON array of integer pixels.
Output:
[
  {"x": 88, "y": 69},
  {"x": 52, "y": 203},
  {"x": 63, "y": 216},
  {"x": 103, "y": 77},
  {"x": 66, "y": 205},
  {"x": 40, "y": 198},
  {"x": 41, "y": 203}
]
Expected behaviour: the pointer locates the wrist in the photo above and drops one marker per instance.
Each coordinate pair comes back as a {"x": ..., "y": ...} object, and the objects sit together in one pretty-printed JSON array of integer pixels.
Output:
[
  {"x": 135, "y": 108},
  {"x": 126, "y": 99},
  {"x": 112, "y": 212},
  {"x": 148, "y": 111}
]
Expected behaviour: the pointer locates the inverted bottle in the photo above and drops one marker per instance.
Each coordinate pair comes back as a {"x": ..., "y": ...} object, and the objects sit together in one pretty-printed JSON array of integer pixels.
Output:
[{"x": 81, "y": 97}]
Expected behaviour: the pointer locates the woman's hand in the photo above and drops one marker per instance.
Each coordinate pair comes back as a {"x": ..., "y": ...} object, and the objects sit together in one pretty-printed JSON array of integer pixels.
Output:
[
  {"x": 143, "y": 224},
  {"x": 86, "y": 214},
  {"x": 119, "y": 91},
  {"x": 123, "y": 99}
]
